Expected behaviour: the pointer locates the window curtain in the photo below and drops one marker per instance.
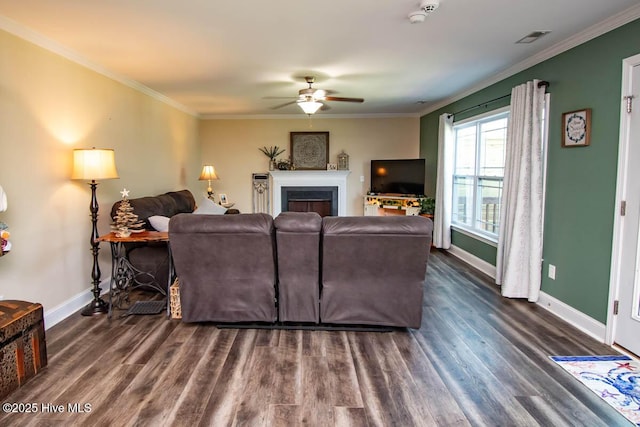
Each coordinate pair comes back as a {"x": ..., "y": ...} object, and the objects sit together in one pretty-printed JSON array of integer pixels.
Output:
[
  {"x": 519, "y": 256},
  {"x": 444, "y": 184}
]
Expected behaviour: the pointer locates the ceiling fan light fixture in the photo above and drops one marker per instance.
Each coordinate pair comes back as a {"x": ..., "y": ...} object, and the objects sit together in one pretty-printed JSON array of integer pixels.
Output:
[{"x": 310, "y": 107}]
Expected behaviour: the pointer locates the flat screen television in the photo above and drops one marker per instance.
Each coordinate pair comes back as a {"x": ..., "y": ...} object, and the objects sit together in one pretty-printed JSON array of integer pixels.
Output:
[{"x": 400, "y": 176}]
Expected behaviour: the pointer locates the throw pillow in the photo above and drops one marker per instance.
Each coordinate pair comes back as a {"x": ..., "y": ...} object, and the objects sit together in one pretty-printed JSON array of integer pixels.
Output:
[
  {"x": 209, "y": 207},
  {"x": 159, "y": 222}
]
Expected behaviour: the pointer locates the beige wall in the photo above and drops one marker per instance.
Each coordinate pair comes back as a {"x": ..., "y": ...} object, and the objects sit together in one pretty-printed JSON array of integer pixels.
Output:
[
  {"x": 232, "y": 147},
  {"x": 48, "y": 106}
]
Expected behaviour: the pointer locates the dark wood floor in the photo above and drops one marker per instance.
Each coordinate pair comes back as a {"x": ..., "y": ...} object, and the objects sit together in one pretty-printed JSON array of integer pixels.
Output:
[{"x": 478, "y": 360}]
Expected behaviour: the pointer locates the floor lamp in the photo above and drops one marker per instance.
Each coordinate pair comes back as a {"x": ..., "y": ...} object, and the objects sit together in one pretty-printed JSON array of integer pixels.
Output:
[{"x": 94, "y": 165}]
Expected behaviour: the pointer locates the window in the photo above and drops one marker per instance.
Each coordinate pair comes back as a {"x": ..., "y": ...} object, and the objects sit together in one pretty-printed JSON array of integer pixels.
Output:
[{"x": 478, "y": 173}]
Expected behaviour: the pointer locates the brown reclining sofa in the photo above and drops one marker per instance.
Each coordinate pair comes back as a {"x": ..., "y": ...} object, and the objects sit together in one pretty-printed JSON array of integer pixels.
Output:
[{"x": 300, "y": 269}]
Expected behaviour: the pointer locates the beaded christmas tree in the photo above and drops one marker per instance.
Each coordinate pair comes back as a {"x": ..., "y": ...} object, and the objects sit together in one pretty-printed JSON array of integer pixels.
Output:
[{"x": 126, "y": 222}]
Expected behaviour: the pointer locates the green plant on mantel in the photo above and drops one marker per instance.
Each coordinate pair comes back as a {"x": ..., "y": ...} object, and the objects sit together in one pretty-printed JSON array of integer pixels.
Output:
[
  {"x": 427, "y": 205},
  {"x": 272, "y": 152}
]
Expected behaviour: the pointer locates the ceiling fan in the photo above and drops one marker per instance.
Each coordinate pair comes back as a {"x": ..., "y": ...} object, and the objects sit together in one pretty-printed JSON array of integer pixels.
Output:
[{"x": 309, "y": 99}]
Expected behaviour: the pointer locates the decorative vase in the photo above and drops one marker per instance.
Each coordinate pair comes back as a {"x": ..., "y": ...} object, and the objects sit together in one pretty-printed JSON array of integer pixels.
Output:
[
  {"x": 343, "y": 161},
  {"x": 272, "y": 164}
]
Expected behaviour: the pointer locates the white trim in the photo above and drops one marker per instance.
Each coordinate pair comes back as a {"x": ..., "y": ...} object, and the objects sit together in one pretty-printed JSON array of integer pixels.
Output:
[
  {"x": 38, "y": 39},
  {"x": 621, "y": 190},
  {"x": 474, "y": 261},
  {"x": 609, "y": 24},
  {"x": 308, "y": 178},
  {"x": 60, "y": 312},
  {"x": 574, "y": 317}
]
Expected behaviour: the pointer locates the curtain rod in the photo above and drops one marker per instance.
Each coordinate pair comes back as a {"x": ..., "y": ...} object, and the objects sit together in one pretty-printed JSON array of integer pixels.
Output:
[{"x": 484, "y": 104}]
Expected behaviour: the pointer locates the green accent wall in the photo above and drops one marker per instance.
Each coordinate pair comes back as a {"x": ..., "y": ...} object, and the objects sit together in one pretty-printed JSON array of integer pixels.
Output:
[
  {"x": 581, "y": 182},
  {"x": 479, "y": 248}
]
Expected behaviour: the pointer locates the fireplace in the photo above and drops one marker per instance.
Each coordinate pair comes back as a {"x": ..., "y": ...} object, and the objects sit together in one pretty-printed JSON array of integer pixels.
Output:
[
  {"x": 323, "y": 200},
  {"x": 311, "y": 189}
]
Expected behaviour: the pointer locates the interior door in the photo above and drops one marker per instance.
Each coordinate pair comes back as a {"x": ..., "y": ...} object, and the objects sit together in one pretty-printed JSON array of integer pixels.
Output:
[{"x": 627, "y": 329}]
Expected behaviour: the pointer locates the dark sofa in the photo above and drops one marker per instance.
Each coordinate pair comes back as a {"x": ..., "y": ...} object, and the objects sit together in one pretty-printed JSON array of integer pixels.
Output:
[
  {"x": 151, "y": 260},
  {"x": 373, "y": 269},
  {"x": 301, "y": 268},
  {"x": 226, "y": 267},
  {"x": 298, "y": 245}
]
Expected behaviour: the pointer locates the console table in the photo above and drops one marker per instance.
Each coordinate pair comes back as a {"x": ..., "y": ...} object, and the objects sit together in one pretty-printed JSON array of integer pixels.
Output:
[{"x": 123, "y": 274}]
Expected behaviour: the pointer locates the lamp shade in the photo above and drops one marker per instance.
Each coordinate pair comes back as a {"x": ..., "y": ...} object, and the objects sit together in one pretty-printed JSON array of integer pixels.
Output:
[
  {"x": 310, "y": 107},
  {"x": 208, "y": 173},
  {"x": 94, "y": 164}
]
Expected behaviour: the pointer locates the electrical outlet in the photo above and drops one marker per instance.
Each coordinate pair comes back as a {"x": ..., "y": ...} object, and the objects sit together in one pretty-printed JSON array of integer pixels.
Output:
[
  {"x": 552, "y": 272},
  {"x": 361, "y": 178}
]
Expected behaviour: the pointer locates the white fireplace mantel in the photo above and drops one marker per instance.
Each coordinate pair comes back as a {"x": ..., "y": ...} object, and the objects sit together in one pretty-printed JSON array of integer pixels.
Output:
[{"x": 313, "y": 178}]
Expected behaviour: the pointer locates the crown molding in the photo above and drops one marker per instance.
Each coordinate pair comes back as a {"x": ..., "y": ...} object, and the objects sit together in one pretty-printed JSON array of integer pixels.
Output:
[
  {"x": 603, "y": 27},
  {"x": 38, "y": 39},
  {"x": 303, "y": 116}
]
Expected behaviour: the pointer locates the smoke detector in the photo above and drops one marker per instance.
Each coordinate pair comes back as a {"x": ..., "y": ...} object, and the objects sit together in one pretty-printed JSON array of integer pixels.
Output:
[
  {"x": 426, "y": 7},
  {"x": 417, "y": 16},
  {"x": 429, "y": 6}
]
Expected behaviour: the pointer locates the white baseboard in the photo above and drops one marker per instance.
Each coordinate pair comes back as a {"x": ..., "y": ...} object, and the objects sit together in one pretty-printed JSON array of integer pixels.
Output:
[
  {"x": 575, "y": 318},
  {"x": 59, "y": 313},
  {"x": 473, "y": 261}
]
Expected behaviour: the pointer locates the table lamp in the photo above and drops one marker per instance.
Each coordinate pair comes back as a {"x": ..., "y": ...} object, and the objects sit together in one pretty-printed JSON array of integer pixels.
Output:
[
  {"x": 208, "y": 173},
  {"x": 94, "y": 165}
]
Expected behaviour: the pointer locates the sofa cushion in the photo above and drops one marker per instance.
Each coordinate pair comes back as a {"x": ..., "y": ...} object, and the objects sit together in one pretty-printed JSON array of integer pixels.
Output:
[
  {"x": 209, "y": 207},
  {"x": 159, "y": 222},
  {"x": 301, "y": 222},
  {"x": 377, "y": 225}
]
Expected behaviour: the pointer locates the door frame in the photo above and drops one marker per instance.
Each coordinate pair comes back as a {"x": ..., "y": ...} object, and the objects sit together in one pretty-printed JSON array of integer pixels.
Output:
[{"x": 621, "y": 194}]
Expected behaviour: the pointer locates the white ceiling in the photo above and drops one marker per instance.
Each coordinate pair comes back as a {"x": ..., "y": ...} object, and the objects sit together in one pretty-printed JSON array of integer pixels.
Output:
[{"x": 226, "y": 57}]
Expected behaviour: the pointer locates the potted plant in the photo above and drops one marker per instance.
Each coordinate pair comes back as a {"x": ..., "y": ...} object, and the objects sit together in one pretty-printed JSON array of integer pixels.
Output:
[
  {"x": 272, "y": 152},
  {"x": 427, "y": 206}
]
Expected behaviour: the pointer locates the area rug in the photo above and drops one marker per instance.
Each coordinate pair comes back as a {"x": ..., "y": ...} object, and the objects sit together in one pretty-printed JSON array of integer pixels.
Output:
[{"x": 616, "y": 379}]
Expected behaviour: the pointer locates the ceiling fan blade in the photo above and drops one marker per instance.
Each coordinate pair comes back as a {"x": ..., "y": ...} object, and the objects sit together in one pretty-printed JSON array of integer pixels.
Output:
[
  {"x": 280, "y": 97},
  {"x": 284, "y": 105},
  {"x": 338, "y": 98}
]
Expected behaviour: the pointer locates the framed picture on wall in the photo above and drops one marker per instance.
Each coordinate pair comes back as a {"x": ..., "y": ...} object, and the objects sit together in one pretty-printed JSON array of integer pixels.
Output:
[
  {"x": 576, "y": 128},
  {"x": 310, "y": 150},
  {"x": 223, "y": 199}
]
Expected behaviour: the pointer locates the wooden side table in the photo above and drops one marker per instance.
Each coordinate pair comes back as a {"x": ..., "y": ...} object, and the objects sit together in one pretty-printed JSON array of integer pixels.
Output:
[{"x": 123, "y": 274}]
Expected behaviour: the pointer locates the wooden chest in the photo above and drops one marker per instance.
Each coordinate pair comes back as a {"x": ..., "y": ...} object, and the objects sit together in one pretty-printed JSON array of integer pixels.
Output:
[{"x": 23, "y": 350}]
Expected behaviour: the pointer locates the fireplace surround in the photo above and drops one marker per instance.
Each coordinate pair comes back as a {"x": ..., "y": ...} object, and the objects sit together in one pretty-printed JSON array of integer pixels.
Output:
[{"x": 314, "y": 181}]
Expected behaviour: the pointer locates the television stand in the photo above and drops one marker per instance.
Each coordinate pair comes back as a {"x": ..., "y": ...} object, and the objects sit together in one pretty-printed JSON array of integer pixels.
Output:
[{"x": 386, "y": 205}]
